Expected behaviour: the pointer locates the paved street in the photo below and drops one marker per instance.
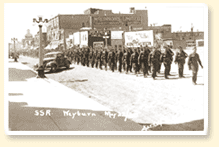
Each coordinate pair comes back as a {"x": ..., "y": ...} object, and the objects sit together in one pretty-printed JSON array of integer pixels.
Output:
[
  {"x": 46, "y": 105},
  {"x": 145, "y": 100}
]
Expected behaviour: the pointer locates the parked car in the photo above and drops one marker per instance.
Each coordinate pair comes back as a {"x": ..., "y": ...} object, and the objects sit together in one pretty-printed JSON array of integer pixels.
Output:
[{"x": 54, "y": 60}]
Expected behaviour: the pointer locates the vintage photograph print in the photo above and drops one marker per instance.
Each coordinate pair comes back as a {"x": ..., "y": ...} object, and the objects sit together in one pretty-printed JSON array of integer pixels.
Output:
[{"x": 105, "y": 69}]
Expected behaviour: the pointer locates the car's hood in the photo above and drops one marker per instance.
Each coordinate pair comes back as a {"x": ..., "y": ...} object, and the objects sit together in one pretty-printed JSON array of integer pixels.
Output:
[{"x": 48, "y": 59}]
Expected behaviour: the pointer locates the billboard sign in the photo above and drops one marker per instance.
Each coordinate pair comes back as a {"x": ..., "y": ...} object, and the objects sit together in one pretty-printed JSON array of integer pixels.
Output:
[
  {"x": 98, "y": 44},
  {"x": 84, "y": 38},
  {"x": 136, "y": 39},
  {"x": 116, "y": 34},
  {"x": 116, "y": 20},
  {"x": 76, "y": 38}
]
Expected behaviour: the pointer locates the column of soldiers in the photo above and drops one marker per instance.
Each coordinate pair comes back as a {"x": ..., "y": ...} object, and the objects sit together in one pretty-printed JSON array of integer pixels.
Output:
[{"x": 142, "y": 60}]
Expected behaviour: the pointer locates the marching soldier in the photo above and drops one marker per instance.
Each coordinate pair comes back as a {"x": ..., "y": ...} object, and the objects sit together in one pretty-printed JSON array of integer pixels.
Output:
[
  {"x": 193, "y": 64},
  {"x": 116, "y": 58},
  {"x": 98, "y": 59},
  {"x": 131, "y": 52},
  {"x": 83, "y": 56},
  {"x": 79, "y": 56},
  {"x": 111, "y": 59},
  {"x": 104, "y": 58},
  {"x": 91, "y": 54},
  {"x": 134, "y": 61},
  {"x": 160, "y": 63},
  {"x": 154, "y": 59},
  {"x": 87, "y": 56},
  {"x": 170, "y": 46},
  {"x": 180, "y": 59},
  {"x": 119, "y": 57},
  {"x": 143, "y": 61},
  {"x": 126, "y": 60},
  {"x": 166, "y": 58}
]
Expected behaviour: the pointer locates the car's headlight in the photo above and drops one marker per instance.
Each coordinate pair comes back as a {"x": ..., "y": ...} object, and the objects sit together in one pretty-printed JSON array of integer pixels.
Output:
[{"x": 35, "y": 65}]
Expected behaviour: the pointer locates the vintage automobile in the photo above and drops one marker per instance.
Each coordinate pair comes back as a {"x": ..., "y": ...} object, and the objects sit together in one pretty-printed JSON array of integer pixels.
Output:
[{"x": 54, "y": 60}]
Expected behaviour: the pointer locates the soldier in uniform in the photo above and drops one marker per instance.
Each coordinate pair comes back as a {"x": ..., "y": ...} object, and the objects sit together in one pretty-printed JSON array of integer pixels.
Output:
[
  {"x": 116, "y": 58},
  {"x": 104, "y": 58},
  {"x": 126, "y": 60},
  {"x": 170, "y": 47},
  {"x": 90, "y": 57},
  {"x": 149, "y": 64},
  {"x": 180, "y": 59},
  {"x": 166, "y": 58},
  {"x": 98, "y": 59},
  {"x": 79, "y": 56},
  {"x": 160, "y": 63},
  {"x": 143, "y": 60},
  {"x": 193, "y": 64},
  {"x": 119, "y": 57},
  {"x": 134, "y": 61},
  {"x": 131, "y": 52},
  {"x": 111, "y": 59},
  {"x": 86, "y": 57},
  {"x": 154, "y": 59}
]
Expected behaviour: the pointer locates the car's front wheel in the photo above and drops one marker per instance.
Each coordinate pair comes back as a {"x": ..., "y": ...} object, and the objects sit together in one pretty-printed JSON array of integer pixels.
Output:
[
  {"x": 53, "y": 68},
  {"x": 67, "y": 66}
]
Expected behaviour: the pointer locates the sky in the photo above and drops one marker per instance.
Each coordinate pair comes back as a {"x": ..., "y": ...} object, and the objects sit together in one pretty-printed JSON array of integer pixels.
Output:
[{"x": 18, "y": 17}]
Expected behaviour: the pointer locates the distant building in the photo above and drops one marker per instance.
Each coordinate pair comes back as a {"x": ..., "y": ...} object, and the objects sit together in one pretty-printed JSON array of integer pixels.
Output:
[
  {"x": 61, "y": 26},
  {"x": 27, "y": 42},
  {"x": 187, "y": 39}
]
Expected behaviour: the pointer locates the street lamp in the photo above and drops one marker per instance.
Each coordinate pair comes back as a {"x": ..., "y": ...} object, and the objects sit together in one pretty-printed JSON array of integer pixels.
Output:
[
  {"x": 15, "y": 55},
  {"x": 40, "y": 23}
]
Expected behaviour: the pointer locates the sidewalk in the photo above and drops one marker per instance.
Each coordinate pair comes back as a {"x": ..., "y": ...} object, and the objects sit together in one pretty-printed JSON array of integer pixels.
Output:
[{"x": 44, "y": 105}]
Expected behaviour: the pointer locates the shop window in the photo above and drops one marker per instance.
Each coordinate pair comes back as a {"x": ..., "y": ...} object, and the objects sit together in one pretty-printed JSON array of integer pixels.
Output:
[{"x": 115, "y": 46}]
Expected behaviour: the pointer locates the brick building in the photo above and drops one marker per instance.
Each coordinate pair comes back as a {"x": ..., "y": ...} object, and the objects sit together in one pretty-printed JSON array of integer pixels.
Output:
[
  {"x": 62, "y": 26},
  {"x": 187, "y": 39}
]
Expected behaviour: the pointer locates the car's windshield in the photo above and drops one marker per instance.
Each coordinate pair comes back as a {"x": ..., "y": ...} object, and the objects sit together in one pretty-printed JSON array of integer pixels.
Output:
[{"x": 50, "y": 56}]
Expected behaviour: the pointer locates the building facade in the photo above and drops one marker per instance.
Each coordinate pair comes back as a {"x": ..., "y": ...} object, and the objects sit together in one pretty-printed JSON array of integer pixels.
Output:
[
  {"x": 188, "y": 39},
  {"x": 62, "y": 26}
]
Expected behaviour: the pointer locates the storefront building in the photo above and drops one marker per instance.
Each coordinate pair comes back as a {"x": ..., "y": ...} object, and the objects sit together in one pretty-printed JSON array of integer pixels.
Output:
[
  {"x": 187, "y": 39},
  {"x": 62, "y": 26}
]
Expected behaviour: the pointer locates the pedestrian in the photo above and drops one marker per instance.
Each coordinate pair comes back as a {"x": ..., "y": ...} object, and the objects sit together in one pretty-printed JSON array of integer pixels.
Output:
[
  {"x": 193, "y": 64},
  {"x": 153, "y": 60},
  {"x": 166, "y": 59},
  {"x": 180, "y": 59},
  {"x": 143, "y": 61},
  {"x": 134, "y": 61}
]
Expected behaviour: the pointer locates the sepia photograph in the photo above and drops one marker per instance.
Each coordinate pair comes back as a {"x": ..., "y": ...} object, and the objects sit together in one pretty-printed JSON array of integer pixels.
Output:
[{"x": 106, "y": 69}]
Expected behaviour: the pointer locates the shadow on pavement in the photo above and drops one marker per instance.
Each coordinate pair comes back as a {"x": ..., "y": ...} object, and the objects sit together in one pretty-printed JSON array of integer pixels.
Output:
[
  {"x": 84, "y": 80},
  {"x": 59, "y": 70},
  {"x": 20, "y": 75},
  {"x": 22, "y": 118}
]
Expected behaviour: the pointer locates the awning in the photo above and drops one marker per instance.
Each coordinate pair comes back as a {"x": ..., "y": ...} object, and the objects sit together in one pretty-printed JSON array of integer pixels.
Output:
[{"x": 53, "y": 45}]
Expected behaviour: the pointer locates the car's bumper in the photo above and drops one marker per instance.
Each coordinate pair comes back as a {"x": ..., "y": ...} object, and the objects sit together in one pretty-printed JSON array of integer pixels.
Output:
[{"x": 48, "y": 67}]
